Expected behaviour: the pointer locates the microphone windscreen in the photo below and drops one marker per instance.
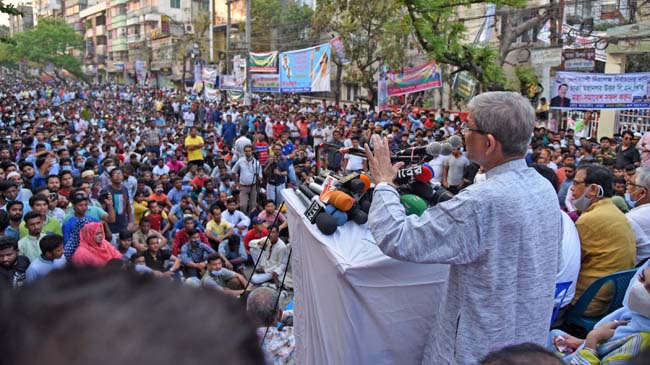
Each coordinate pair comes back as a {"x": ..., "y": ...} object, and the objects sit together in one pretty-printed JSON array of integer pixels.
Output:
[
  {"x": 341, "y": 200},
  {"x": 339, "y": 216},
  {"x": 307, "y": 191},
  {"x": 434, "y": 148},
  {"x": 421, "y": 189},
  {"x": 366, "y": 181},
  {"x": 364, "y": 204},
  {"x": 425, "y": 176},
  {"x": 446, "y": 149},
  {"x": 319, "y": 180},
  {"x": 357, "y": 215},
  {"x": 426, "y": 165},
  {"x": 326, "y": 223},
  {"x": 413, "y": 204},
  {"x": 455, "y": 141},
  {"x": 357, "y": 186},
  {"x": 316, "y": 188}
]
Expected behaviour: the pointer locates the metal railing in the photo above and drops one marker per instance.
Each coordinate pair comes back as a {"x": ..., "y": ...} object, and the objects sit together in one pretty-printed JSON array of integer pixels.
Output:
[{"x": 636, "y": 120}]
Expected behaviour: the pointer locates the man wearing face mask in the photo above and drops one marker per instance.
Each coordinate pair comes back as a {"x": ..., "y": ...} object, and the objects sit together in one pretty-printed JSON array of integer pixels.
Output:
[
  {"x": 606, "y": 237},
  {"x": 194, "y": 255},
  {"x": 639, "y": 217},
  {"x": 248, "y": 174}
]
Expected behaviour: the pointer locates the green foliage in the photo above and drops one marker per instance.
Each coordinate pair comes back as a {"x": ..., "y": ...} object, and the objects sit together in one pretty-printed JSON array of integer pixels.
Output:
[
  {"x": 528, "y": 81},
  {"x": 9, "y": 9},
  {"x": 48, "y": 42},
  {"x": 278, "y": 27},
  {"x": 371, "y": 31},
  {"x": 444, "y": 37},
  {"x": 638, "y": 62}
]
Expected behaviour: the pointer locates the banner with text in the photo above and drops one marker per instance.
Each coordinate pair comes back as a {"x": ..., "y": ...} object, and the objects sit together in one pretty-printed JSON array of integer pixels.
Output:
[
  {"x": 575, "y": 90},
  {"x": 263, "y": 62},
  {"x": 232, "y": 82},
  {"x": 339, "y": 48},
  {"x": 211, "y": 94},
  {"x": 209, "y": 75},
  {"x": 265, "y": 83},
  {"x": 579, "y": 59},
  {"x": 414, "y": 79},
  {"x": 306, "y": 70},
  {"x": 382, "y": 91}
]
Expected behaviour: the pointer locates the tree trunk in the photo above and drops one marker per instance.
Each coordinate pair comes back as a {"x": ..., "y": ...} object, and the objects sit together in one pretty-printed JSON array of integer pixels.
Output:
[
  {"x": 338, "y": 82},
  {"x": 183, "y": 76}
]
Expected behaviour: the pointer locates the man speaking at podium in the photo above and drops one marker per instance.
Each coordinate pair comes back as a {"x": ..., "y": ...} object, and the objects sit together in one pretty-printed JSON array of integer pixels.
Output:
[{"x": 501, "y": 237}]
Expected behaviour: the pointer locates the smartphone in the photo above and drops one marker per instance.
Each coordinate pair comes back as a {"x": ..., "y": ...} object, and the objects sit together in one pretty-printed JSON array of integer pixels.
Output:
[{"x": 54, "y": 196}]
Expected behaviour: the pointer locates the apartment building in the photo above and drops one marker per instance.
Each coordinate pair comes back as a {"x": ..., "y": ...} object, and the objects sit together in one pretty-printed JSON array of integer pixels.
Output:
[{"x": 20, "y": 23}]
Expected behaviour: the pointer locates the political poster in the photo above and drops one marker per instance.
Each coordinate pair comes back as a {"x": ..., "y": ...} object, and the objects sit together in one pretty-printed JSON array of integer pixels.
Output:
[
  {"x": 414, "y": 79},
  {"x": 232, "y": 82},
  {"x": 579, "y": 59},
  {"x": 577, "y": 90},
  {"x": 339, "y": 47},
  {"x": 265, "y": 83},
  {"x": 211, "y": 94},
  {"x": 464, "y": 85},
  {"x": 382, "y": 91},
  {"x": 306, "y": 70},
  {"x": 141, "y": 71},
  {"x": 209, "y": 75},
  {"x": 197, "y": 72},
  {"x": 263, "y": 62}
]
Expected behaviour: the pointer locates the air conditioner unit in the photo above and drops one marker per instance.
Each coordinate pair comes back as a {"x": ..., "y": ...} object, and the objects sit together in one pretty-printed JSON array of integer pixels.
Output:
[{"x": 189, "y": 29}]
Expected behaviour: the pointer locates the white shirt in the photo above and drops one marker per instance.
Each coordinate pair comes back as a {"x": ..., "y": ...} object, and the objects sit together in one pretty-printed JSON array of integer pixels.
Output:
[
  {"x": 354, "y": 162},
  {"x": 437, "y": 164},
  {"x": 639, "y": 218},
  {"x": 157, "y": 170},
  {"x": 569, "y": 258}
]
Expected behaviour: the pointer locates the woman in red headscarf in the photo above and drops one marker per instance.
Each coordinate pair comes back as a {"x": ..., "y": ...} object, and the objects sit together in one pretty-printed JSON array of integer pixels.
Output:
[{"x": 93, "y": 249}]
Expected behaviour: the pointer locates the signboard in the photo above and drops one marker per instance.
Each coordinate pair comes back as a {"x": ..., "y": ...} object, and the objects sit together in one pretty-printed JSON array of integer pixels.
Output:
[
  {"x": 464, "y": 84},
  {"x": 546, "y": 56},
  {"x": 576, "y": 90},
  {"x": 579, "y": 59},
  {"x": 232, "y": 82},
  {"x": 306, "y": 70},
  {"x": 209, "y": 75},
  {"x": 211, "y": 94},
  {"x": 265, "y": 83},
  {"x": 414, "y": 79},
  {"x": 339, "y": 47},
  {"x": 263, "y": 62}
]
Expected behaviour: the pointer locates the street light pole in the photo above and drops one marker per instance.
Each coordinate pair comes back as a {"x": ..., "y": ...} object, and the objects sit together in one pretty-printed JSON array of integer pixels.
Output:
[
  {"x": 228, "y": 2},
  {"x": 247, "y": 93},
  {"x": 211, "y": 31}
]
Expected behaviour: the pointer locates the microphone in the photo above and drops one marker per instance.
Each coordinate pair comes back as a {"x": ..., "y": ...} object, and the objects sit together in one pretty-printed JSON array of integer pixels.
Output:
[
  {"x": 455, "y": 141},
  {"x": 339, "y": 216},
  {"x": 422, "y": 173},
  {"x": 413, "y": 204},
  {"x": 326, "y": 223},
  {"x": 446, "y": 149},
  {"x": 357, "y": 215},
  {"x": 426, "y": 175},
  {"x": 430, "y": 149},
  {"x": 341, "y": 200}
]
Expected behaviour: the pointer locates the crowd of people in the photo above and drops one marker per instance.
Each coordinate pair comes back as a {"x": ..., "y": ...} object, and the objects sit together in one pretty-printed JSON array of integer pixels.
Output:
[{"x": 176, "y": 186}]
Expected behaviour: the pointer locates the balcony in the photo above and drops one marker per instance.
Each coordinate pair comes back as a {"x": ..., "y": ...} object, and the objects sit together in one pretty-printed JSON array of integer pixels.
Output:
[
  {"x": 132, "y": 20},
  {"x": 89, "y": 33},
  {"x": 133, "y": 38},
  {"x": 158, "y": 65},
  {"x": 101, "y": 49},
  {"x": 119, "y": 44},
  {"x": 118, "y": 21},
  {"x": 100, "y": 30},
  {"x": 149, "y": 17},
  {"x": 118, "y": 2}
]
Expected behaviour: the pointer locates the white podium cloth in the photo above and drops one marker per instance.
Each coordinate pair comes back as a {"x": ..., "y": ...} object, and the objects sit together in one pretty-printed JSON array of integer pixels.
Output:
[{"x": 353, "y": 304}]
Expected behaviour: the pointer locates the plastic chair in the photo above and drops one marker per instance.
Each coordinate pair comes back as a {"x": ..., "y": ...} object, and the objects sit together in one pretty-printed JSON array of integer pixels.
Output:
[
  {"x": 560, "y": 288},
  {"x": 621, "y": 281}
]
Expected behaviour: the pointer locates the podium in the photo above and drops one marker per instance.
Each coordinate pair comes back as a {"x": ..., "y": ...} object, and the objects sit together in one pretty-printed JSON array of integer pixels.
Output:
[{"x": 353, "y": 304}]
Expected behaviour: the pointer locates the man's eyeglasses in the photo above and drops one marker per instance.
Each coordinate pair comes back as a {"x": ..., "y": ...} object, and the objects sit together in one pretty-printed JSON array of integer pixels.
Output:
[{"x": 475, "y": 130}]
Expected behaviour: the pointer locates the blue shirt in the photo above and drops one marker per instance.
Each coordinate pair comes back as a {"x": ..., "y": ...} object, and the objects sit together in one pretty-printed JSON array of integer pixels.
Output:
[
  {"x": 229, "y": 132},
  {"x": 41, "y": 267},
  {"x": 69, "y": 224},
  {"x": 191, "y": 253},
  {"x": 288, "y": 149},
  {"x": 175, "y": 196}
]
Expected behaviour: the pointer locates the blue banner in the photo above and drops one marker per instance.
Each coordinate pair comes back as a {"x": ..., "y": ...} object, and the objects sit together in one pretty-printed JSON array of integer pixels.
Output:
[{"x": 306, "y": 70}]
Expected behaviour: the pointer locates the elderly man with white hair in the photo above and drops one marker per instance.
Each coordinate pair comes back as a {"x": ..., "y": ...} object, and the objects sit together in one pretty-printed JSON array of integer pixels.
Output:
[
  {"x": 501, "y": 237},
  {"x": 639, "y": 217},
  {"x": 278, "y": 344}
]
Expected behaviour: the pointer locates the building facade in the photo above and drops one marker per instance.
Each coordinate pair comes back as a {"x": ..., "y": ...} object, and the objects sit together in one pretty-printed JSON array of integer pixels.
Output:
[{"x": 20, "y": 23}]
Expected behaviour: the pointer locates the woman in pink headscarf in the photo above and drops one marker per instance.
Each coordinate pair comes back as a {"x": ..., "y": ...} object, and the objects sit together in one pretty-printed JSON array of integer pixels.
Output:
[{"x": 93, "y": 249}]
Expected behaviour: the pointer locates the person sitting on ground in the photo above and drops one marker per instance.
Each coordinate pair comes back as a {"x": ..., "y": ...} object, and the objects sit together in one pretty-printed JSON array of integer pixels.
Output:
[
  {"x": 159, "y": 260},
  {"x": 93, "y": 248},
  {"x": 218, "y": 277},
  {"x": 273, "y": 260},
  {"x": 125, "y": 245},
  {"x": 234, "y": 252},
  {"x": 143, "y": 233},
  {"x": 194, "y": 254},
  {"x": 257, "y": 232},
  {"x": 617, "y": 337},
  {"x": 217, "y": 229},
  {"x": 12, "y": 265},
  {"x": 182, "y": 237},
  {"x": 278, "y": 344},
  {"x": 50, "y": 259}
]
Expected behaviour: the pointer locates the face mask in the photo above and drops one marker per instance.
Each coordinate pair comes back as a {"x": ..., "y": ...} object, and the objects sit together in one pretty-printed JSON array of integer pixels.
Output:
[
  {"x": 159, "y": 191},
  {"x": 66, "y": 168},
  {"x": 630, "y": 202},
  {"x": 582, "y": 203},
  {"x": 556, "y": 146},
  {"x": 216, "y": 272},
  {"x": 196, "y": 243},
  {"x": 638, "y": 299},
  {"x": 529, "y": 151}
]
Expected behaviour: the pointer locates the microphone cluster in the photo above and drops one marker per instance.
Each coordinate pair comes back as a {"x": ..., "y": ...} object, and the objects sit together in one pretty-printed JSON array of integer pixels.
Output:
[{"x": 335, "y": 201}]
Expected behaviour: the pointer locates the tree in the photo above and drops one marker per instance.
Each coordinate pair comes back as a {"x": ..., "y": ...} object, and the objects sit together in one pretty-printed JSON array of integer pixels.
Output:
[
  {"x": 442, "y": 34},
  {"x": 200, "y": 37},
  {"x": 49, "y": 42},
  {"x": 279, "y": 26},
  {"x": 372, "y": 31}
]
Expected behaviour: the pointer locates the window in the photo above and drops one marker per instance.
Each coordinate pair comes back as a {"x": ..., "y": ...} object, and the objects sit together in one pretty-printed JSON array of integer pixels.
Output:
[{"x": 175, "y": 4}]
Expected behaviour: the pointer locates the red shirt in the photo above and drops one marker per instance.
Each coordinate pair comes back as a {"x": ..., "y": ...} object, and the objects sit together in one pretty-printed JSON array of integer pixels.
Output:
[
  {"x": 198, "y": 180},
  {"x": 253, "y": 235},
  {"x": 181, "y": 238},
  {"x": 262, "y": 149},
  {"x": 155, "y": 221}
]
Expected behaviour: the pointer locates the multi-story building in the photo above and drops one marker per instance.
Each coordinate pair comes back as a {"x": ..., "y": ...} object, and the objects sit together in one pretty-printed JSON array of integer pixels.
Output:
[
  {"x": 96, "y": 39},
  {"x": 20, "y": 23}
]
